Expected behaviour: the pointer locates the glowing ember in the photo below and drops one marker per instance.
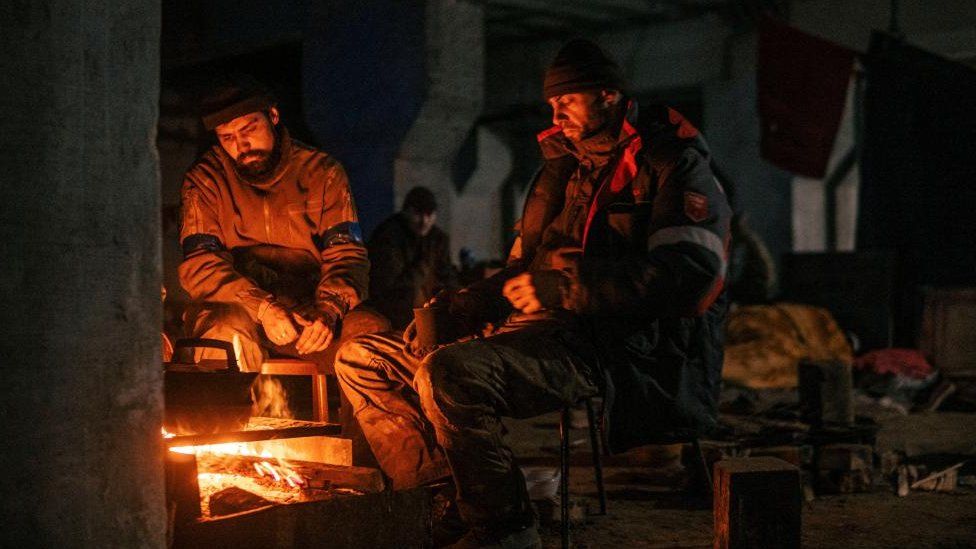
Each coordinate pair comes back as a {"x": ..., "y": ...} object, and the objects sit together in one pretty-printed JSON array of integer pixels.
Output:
[
  {"x": 212, "y": 483},
  {"x": 245, "y": 466}
]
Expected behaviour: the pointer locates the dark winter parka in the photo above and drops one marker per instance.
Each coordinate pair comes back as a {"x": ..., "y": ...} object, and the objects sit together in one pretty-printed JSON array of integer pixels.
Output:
[{"x": 649, "y": 284}]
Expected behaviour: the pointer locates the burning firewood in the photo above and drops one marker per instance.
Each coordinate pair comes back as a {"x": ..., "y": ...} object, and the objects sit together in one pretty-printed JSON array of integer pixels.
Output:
[{"x": 235, "y": 500}]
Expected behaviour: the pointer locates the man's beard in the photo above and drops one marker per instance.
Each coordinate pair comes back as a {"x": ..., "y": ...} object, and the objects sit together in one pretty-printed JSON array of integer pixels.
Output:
[
  {"x": 600, "y": 121},
  {"x": 262, "y": 163}
]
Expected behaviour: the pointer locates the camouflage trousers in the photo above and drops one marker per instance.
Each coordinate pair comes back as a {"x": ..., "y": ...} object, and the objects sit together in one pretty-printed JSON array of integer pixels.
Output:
[{"x": 427, "y": 419}]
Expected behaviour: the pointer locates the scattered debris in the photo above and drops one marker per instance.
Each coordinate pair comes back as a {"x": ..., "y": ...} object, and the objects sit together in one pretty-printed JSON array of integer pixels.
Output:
[
  {"x": 942, "y": 481},
  {"x": 914, "y": 477}
]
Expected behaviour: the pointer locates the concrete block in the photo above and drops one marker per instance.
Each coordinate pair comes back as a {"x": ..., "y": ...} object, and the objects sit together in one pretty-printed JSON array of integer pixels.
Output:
[{"x": 385, "y": 519}]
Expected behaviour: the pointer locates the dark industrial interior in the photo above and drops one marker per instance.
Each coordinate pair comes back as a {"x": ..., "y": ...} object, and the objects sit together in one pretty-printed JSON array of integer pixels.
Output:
[{"x": 834, "y": 202}]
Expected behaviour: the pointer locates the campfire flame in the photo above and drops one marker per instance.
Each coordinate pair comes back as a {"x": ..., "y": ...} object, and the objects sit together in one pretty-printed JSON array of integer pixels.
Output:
[
  {"x": 260, "y": 473},
  {"x": 270, "y": 466},
  {"x": 248, "y": 465},
  {"x": 245, "y": 465},
  {"x": 270, "y": 398},
  {"x": 239, "y": 354}
]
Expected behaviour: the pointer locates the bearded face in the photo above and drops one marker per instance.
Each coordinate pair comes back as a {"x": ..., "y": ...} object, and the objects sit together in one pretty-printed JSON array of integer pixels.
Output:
[
  {"x": 252, "y": 141},
  {"x": 258, "y": 164},
  {"x": 583, "y": 114}
]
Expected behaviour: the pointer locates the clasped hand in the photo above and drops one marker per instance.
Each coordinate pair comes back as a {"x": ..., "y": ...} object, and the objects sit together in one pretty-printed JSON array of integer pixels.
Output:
[
  {"x": 317, "y": 328},
  {"x": 536, "y": 291}
]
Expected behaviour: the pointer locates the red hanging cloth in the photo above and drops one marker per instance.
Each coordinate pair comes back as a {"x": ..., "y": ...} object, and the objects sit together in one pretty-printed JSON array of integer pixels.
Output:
[{"x": 802, "y": 83}]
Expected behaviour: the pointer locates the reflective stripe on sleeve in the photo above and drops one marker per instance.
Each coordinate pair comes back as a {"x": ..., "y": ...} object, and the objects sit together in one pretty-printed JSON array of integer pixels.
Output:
[
  {"x": 340, "y": 233},
  {"x": 692, "y": 235},
  {"x": 200, "y": 241}
]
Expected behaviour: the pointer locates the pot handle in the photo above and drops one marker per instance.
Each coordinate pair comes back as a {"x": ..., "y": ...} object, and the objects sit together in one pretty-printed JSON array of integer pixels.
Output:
[{"x": 195, "y": 342}]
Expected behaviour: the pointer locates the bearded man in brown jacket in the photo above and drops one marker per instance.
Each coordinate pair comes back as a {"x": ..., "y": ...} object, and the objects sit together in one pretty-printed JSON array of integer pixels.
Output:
[{"x": 273, "y": 252}]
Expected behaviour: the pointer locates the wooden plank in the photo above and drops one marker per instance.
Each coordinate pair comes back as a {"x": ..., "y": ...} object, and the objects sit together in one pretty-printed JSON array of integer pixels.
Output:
[
  {"x": 312, "y": 430},
  {"x": 318, "y": 475},
  {"x": 289, "y": 367},
  {"x": 756, "y": 503},
  {"x": 364, "y": 479}
]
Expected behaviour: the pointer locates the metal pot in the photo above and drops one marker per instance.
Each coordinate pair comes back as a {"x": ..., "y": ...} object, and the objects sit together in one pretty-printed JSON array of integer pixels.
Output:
[{"x": 208, "y": 397}]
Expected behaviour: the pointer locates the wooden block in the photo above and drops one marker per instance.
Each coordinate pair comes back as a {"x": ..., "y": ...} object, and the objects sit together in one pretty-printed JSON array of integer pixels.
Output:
[
  {"x": 757, "y": 503},
  {"x": 182, "y": 489},
  {"x": 318, "y": 475},
  {"x": 329, "y": 450},
  {"x": 364, "y": 479},
  {"x": 232, "y": 500},
  {"x": 826, "y": 391}
]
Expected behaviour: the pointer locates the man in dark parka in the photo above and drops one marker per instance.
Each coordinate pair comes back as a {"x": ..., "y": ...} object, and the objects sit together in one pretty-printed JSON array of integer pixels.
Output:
[{"x": 615, "y": 285}]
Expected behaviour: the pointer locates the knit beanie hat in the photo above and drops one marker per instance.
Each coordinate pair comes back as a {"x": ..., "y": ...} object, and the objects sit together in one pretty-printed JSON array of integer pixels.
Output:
[
  {"x": 420, "y": 199},
  {"x": 579, "y": 66},
  {"x": 233, "y": 97}
]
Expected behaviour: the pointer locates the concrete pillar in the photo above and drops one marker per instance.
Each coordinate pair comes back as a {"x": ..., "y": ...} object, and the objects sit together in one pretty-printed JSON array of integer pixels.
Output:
[
  {"x": 480, "y": 227},
  {"x": 454, "y": 31},
  {"x": 80, "y": 401}
]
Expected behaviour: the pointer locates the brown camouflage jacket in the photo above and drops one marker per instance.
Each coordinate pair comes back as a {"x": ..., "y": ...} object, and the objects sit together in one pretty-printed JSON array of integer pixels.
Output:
[{"x": 301, "y": 219}]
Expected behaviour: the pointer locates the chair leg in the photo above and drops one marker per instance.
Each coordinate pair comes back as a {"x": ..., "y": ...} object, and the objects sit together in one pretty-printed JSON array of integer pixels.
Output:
[
  {"x": 320, "y": 397},
  {"x": 564, "y": 477},
  {"x": 597, "y": 456},
  {"x": 702, "y": 472}
]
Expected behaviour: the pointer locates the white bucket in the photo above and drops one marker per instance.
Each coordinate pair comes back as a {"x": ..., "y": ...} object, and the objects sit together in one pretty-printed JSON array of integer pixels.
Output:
[{"x": 541, "y": 482}]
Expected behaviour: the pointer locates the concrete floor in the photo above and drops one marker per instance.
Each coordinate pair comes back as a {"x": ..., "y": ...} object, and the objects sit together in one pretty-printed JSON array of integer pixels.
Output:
[{"x": 646, "y": 508}]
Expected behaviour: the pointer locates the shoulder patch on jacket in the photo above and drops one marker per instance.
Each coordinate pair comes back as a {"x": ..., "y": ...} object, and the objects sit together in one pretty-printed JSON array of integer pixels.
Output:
[{"x": 696, "y": 206}]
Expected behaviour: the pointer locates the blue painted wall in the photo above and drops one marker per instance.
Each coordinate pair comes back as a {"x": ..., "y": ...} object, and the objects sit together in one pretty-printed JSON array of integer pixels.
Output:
[{"x": 364, "y": 84}]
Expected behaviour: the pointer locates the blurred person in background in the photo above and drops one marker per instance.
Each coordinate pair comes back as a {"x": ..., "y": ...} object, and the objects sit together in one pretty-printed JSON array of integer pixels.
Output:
[{"x": 410, "y": 258}]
